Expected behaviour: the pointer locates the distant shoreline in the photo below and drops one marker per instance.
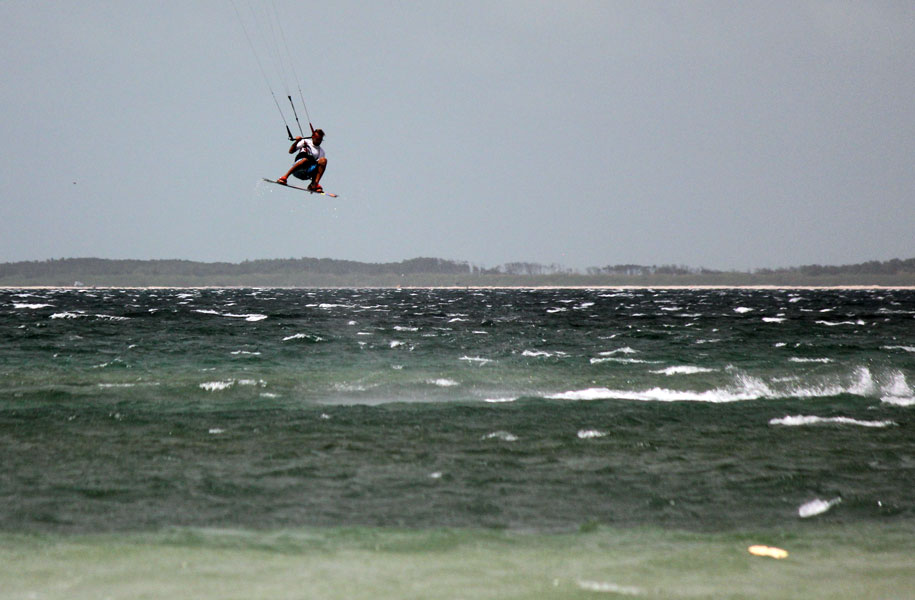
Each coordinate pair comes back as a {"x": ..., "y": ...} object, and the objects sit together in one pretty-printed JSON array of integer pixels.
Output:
[
  {"x": 463, "y": 287},
  {"x": 434, "y": 273}
]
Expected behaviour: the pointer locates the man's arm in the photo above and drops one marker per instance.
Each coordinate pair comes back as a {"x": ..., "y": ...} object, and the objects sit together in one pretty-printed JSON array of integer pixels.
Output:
[{"x": 295, "y": 143}]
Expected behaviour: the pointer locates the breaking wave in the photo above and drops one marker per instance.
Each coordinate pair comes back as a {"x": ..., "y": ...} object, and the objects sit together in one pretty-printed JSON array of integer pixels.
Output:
[{"x": 891, "y": 387}]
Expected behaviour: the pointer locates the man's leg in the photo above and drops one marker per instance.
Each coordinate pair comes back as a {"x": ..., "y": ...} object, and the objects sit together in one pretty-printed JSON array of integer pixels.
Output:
[
  {"x": 295, "y": 167},
  {"x": 316, "y": 182}
]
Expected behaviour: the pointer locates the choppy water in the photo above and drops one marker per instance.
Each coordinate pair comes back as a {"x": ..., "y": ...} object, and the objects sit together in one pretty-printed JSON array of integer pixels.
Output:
[{"x": 539, "y": 411}]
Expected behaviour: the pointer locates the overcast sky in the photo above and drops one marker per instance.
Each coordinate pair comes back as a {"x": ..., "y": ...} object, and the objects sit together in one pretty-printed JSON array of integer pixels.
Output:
[{"x": 716, "y": 134}]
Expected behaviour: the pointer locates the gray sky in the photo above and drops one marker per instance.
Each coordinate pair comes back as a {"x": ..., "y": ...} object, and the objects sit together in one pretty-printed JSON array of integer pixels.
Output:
[{"x": 717, "y": 134}]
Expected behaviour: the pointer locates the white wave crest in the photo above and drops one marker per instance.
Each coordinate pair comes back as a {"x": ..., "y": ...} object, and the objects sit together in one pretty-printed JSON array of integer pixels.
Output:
[
  {"x": 588, "y": 434},
  {"x": 623, "y": 350},
  {"x": 654, "y": 394},
  {"x": 442, "y": 382},
  {"x": 816, "y": 507},
  {"x": 217, "y": 386},
  {"x": 476, "y": 359},
  {"x": 747, "y": 387},
  {"x": 247, "y": 317},
  {"x": 801, "y": 420},
  {"x": 504, "y": 436},
  {"x": 864, "y": 382},
  {"x": 838, "y": 323},
  {"x": 253, "y": 317},
  {"x": 257, "y": 382},
  {"x": 609, "y": 588},
  {"x": 898, "y": 401},
  {"x": 683, "y": 370},
  {"x": 625, "y": 361},
  {"x": 898, "y": 391},
  {"x": 303, "y": 336},
  {"x": 68, "y": 315}
]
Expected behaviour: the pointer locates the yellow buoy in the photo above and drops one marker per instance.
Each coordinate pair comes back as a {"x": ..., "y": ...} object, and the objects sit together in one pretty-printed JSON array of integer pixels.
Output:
[{"x": 769, "y": 551}]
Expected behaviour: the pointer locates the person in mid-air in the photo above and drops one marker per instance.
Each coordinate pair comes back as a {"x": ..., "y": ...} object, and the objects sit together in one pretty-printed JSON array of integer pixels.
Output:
[{"x": 309, "y": 162}]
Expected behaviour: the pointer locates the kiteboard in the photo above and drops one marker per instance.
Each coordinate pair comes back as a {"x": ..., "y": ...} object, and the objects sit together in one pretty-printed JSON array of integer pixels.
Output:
[{"x": 295, "y": 187}]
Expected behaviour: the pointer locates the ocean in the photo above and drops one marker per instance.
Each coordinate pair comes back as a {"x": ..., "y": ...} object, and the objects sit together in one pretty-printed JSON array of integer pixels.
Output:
[{"x": 457, "y": 443}]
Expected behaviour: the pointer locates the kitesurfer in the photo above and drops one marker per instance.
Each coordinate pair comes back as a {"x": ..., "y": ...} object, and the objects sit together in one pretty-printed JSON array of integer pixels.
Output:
[{"x": 309, "y": 162}]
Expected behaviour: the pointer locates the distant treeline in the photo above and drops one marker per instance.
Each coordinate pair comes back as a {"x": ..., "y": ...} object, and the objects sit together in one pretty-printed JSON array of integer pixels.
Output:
[
  {"x": 874, "y": 267},
  {"x": 325, "y": 272}
]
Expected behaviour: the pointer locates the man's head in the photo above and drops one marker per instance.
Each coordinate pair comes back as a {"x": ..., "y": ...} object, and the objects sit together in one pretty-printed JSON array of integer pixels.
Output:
[{"x": 317, "y": 137}]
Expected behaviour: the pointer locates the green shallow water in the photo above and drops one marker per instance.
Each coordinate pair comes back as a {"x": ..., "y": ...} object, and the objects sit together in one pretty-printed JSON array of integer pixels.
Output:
[
  {"x": 456, "y": 443},
  {"x": 835, "y": 562},
  {"x": 527, "y": 465}
]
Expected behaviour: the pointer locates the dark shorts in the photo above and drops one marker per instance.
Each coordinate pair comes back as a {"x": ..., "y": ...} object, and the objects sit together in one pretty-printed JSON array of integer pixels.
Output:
[{"x": 308, "y": 170}]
